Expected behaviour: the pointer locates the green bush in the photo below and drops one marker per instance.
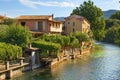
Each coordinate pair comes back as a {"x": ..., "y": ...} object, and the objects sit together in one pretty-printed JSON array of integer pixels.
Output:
[
  {"x": 9, "y": 52},
  {"x": 47, "y": 47},
  {"x": 16, "y": 35}
]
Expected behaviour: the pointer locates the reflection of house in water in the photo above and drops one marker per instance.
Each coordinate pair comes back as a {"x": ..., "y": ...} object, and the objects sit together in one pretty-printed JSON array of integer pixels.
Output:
[{"x": 39, "y": 24}]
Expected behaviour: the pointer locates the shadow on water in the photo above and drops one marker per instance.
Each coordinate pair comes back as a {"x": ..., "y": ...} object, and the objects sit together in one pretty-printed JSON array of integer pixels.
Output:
[{"x": 101, "y": 64}]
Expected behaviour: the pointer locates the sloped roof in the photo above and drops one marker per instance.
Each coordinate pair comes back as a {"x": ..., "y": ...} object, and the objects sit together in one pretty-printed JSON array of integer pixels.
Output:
[
  {"x": 78, "y": 17},
  {"x": 35, "y": 17},
  {"x": 2, "y": 17}
]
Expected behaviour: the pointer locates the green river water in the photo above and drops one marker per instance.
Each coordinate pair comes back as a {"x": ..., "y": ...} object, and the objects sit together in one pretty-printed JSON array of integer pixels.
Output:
[{"x": 101, "y": 64}]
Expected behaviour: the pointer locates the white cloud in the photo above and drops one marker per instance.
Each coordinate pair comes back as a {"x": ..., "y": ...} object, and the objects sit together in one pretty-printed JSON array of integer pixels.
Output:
[
  {"x": 28, "y": 3},
  {"x": 34, "y": 4}
]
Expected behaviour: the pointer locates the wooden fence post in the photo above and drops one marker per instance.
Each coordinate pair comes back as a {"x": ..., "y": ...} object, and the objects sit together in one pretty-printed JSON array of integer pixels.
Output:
[{"x": 7, "y": 65}]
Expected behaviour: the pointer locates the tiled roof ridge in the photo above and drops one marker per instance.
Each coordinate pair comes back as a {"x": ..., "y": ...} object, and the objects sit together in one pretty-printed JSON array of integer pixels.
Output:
[
  {"x": 33, "y": 16},
  {"x": 79, "y": 17},
  {"x": 36, "y": 15}
]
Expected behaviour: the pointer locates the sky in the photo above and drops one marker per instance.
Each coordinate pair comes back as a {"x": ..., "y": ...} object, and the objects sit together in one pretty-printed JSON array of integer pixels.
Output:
[{"x": 60, "y": 8}]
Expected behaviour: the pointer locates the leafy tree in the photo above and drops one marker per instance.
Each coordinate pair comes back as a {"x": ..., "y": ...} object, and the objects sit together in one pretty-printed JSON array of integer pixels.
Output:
[
  {"x": 95, "y": 16},
  {"x": 74, "y": 43},
  {"x": 8, "y": 21},
  {"x": 112, "y": 22},
  {"x": 2, "y": 30},
  {"x": 117, "y": 37},
  {"x": 116, "y": 15},
  {"x": 113, "y": 29},
  {"x": 17, "y": 35},
  {"x": 82, "y": 37},
  {"x": 113, "y": 35},
  {"x": 110, "y": 34}
]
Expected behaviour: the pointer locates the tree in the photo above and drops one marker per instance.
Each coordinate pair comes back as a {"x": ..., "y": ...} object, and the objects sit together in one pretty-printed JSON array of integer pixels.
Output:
[
  {"x": 117, "y": 37},
  {"x": 112, "y": 22},
  {"x": 113, "y": 29},
  {"x": 95, "y": 16},
  {"x": 17, "y": 35},
  {"x": 82, "y": 37},
  {"x": 113, "y": 35},
  {"x": 116, "y": 15},
  {"x": 8, "y": 21},
  {"x": 74, "y": 43}
]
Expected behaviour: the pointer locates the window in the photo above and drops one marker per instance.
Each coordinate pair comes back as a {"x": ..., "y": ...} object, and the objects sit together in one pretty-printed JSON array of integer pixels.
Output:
[
  {"x": 23, "y": 23},
  {"x": 73, "y": 24},
  {"x": 56, "y": 25},
  {"x": 73, "y": 30},
  {"x": 49, "y": 24},
  {"x": 68, "y": 22},
  {"x": 63, "y": 28}
]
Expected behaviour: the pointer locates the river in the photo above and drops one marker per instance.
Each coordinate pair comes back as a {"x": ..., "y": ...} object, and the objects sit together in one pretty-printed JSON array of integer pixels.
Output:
[{"x": 99, "y": 65}]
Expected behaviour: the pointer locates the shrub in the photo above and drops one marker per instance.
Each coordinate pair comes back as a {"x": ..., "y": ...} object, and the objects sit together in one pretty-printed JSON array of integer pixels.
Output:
[
  {"x": 16, "y": 35},
  {"x": 47, "y": 47},
  {"x": 9, "y": 52}
]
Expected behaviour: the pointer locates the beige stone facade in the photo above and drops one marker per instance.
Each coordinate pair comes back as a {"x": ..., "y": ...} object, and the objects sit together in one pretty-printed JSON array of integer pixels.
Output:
[{"x": 76, "y": 23}]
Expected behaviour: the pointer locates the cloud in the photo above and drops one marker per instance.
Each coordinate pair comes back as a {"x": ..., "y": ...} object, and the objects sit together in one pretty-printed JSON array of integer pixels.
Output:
[
  {"x": 28, "y": 3},
  {"x": 34, "y": 4}
]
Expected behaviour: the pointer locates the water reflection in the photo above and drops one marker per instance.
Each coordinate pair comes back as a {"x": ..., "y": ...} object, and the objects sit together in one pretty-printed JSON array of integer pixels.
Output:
[{"x": 101, "y": 65}]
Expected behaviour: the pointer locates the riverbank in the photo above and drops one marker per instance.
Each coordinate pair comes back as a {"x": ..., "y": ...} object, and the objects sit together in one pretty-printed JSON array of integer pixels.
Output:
[
  {"x": 52, "y": 62},
  {"x": 20, "y": 68},
  {"x": 104, "y": 66}
]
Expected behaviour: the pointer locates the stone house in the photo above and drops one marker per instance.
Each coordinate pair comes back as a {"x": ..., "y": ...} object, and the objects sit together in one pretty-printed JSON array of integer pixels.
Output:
[
  {"x": 75, "y": 23},
  {"x": 39, "y": 24}
]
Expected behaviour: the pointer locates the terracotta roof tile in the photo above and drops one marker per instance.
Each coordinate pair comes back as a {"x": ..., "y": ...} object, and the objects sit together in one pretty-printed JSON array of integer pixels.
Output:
[
  {"x": 35, "y": 17},
  {"x": 78, "y": 17}
]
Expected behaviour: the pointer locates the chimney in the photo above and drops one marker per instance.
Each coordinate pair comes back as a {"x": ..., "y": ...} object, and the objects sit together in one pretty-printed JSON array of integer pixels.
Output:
[{"x": 52, "y": 16}]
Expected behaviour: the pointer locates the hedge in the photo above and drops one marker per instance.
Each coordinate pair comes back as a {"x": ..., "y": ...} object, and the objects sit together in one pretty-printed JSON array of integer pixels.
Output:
[
  {"x": 47, "y": 46},
  {"x": 9, "y": 52}
]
